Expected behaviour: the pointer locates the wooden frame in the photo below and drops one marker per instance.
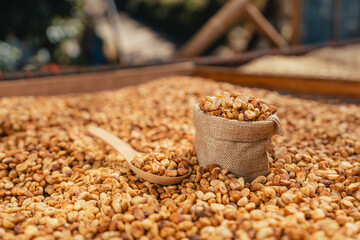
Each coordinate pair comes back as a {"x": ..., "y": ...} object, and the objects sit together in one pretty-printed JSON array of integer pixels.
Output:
[
  {"x": 296, "y": 19},
  {"x": 213, "y": 29},
  {"x": 264, "y": 27},
  {"x": 91, "y": 82},
  {"x": 223, "y": 20},
  {"x": 304, "y": 85}
]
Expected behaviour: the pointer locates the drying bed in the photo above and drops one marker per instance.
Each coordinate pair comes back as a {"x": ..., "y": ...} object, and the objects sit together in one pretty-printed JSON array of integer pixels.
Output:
[
  {"x": 56, "y": 181},
  {"x": 327, "y": 63}
]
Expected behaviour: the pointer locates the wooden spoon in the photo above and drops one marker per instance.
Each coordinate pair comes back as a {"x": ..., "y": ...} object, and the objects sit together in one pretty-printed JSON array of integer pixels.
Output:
[{"x": 129, "y": 153}]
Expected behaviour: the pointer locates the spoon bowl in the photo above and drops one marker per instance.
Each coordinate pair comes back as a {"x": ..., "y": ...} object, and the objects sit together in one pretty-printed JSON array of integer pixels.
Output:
[{"x": 129, "y": 153}]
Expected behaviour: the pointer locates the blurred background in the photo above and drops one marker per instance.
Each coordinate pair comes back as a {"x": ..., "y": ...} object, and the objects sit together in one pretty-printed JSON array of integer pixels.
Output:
[{"x": 45, "y": 35}]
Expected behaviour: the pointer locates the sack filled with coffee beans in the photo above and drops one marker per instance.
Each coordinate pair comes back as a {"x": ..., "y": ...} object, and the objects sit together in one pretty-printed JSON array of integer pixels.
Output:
[{"x": 234, "y": 131}]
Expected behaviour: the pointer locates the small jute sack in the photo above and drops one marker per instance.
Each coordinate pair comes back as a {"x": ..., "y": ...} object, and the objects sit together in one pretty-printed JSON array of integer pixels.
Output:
[{"x": 235, "y": 145}]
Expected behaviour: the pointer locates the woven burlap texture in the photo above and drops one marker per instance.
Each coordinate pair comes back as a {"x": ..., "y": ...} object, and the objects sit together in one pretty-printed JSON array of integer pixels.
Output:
[{"x": 235, "y": 145}]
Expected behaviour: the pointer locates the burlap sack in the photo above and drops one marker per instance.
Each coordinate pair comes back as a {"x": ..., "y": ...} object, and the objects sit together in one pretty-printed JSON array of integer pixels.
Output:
[{"x": 235, "y": 145}]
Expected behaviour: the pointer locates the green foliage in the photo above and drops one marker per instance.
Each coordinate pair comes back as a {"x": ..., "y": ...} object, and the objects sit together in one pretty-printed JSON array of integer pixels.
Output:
[
  {"x": 9, "y": 55},
  {"x": 39, "y": 26}
]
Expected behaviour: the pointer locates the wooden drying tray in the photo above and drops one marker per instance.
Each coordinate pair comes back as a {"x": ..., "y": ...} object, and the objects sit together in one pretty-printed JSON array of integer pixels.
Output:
[
  {"x": 342, "y": 88},
  {"x": 90, "y": 82}
]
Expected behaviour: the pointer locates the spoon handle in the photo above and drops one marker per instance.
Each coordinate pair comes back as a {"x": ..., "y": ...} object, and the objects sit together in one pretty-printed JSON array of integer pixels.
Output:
[{"x": 119, "y": 145}]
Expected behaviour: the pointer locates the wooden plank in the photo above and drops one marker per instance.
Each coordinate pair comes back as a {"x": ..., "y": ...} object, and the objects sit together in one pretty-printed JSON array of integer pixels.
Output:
[
  {"x": 120, "y": 78},
  {"x": 338, "y": 88},
  {"x": 296, "y": 20},
  {"x": 336, "y": 19},
  {"x": 91, "y": 82},
  {"x": 213, "y": 29},
  {"x": 248, "y": 30},
  {"x": 264, "y": 27}
]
